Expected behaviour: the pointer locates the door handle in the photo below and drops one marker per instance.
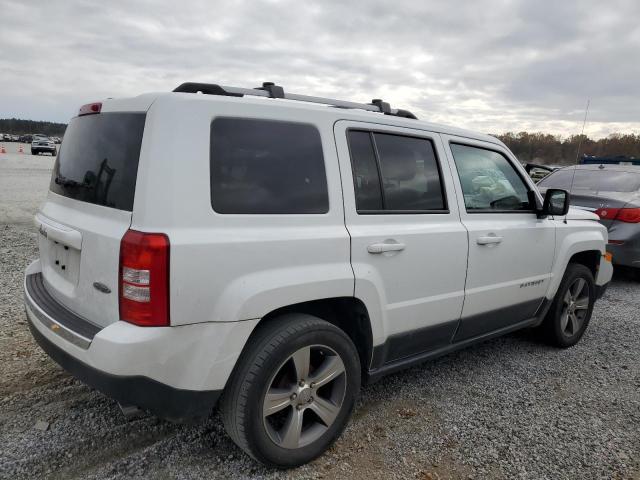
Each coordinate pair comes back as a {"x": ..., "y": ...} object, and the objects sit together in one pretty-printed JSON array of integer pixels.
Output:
[
  {"x": 383, "y": 247},
  {"x": 489, "y": 240}
]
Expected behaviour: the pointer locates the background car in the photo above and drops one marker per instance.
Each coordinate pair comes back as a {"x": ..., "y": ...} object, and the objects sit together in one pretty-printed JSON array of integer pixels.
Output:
[
  {"x": 538, "y": 172},
  {"x": 41, "y": 144},
  {"x": 612, "y": 192}
]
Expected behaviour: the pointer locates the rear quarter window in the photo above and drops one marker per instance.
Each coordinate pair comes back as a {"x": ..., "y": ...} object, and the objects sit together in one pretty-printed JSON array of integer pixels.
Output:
[
  {"x": 266, "y": 167},
  {"x": 98, "y": 159}
]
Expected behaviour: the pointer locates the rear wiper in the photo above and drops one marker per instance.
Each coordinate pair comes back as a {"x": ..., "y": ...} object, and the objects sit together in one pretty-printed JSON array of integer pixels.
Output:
[{"x": 65, "y": 182}]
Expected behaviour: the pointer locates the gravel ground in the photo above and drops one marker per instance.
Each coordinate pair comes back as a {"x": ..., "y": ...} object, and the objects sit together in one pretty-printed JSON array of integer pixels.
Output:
[{"x": 508, "y": 408}]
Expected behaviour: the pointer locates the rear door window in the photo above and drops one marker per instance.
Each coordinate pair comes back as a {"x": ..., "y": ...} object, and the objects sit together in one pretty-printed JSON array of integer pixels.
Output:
[
  {"x": 366, "y": 179},
  {"x": 98, "y": 159},
  {"x": 267, "y": 167},
  {"x": 395, "y": 173}
]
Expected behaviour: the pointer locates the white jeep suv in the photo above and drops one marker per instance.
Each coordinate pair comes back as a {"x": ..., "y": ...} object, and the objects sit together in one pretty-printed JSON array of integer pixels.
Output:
[{"x": 269, "y": 252}]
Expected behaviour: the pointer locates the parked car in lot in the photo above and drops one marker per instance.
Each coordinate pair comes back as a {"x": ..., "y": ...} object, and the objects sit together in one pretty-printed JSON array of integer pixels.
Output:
[
  {"x": 613, "y": 193},
  {"x": 8, "y": 137},
  {"x": 538, "y": 172},
  {"x": 40, "y": 144},
  {"x": 295, "y": 250}
]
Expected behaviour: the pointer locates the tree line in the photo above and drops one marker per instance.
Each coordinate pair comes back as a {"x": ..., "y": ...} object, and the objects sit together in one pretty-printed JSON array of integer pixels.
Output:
[
  {"x": 554, "y": 150},
  {"x": 15, "y": 126}
]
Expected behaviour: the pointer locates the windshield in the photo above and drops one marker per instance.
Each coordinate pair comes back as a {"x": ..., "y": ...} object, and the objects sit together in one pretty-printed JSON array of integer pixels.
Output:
[
  {"x": 593, "y": 180},
  {"x": 98, "y": 159}
]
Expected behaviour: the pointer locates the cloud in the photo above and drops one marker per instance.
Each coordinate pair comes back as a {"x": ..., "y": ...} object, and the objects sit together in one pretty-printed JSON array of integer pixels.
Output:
[{"x": 492, "y": 66}]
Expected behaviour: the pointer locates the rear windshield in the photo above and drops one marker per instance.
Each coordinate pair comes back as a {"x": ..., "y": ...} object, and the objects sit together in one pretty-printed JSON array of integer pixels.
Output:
[
  {"x": 98, "y": 159},
  {"x": 594, "y": 180}
]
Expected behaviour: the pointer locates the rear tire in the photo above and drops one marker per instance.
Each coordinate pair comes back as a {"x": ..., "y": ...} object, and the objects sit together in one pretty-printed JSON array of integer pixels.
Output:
[
  {"x": 292, "y": 391},
  {"x": 571, "y": 310}
]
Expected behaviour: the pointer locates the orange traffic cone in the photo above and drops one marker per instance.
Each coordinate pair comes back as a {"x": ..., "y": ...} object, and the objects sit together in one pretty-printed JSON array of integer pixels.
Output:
[
  {"x": 2, "y": 149},
  {"x": 20, "y": 150}
]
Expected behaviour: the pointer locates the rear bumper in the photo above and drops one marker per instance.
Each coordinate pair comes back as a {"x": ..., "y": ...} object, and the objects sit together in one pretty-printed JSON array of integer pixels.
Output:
[
  {"x": 627, "y": 254},
  {"x": 164, "y": 401},
  {"x": 176, "y": 372}
]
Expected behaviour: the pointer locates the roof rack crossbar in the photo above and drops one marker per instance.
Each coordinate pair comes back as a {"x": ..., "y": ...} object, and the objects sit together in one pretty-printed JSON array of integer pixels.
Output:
[{"x": 270, "y": 90}]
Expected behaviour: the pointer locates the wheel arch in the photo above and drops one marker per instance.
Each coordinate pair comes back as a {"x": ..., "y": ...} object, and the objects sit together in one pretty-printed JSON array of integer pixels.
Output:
[
  {"x": 585, "y": 247},
  {"x": 349, "y": 314},
  {"x": 588, "y": 258}
]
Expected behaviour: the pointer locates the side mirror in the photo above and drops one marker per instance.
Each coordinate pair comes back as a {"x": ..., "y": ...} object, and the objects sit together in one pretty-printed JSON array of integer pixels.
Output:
[{"x": 556, "y": 202}]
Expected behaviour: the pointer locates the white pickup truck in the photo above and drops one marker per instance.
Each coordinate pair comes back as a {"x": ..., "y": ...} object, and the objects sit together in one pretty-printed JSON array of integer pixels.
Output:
[{"x": 268, "y": 251}]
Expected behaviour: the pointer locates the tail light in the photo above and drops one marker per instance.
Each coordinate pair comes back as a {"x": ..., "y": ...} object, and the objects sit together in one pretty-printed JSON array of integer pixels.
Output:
[
  {"x": 144, "y": 279},
  {"x": 628, "y": 215},
  {"x": 607, "y": 213}
]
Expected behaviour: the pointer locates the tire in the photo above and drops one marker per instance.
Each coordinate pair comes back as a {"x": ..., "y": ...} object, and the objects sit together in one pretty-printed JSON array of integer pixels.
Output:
[
  {"x": 267, "y": 364},
  {"x": 570, "y": 312},
  {"x": 33, "y": 152}
]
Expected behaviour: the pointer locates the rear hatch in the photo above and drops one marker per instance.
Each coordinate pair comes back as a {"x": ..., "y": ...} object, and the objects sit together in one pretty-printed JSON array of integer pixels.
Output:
[{"x": 88, "y": 210}]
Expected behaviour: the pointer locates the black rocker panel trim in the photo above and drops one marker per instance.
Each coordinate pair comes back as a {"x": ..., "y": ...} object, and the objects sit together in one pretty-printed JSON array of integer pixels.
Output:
[
  {"x": 447, "y": 336},
  {"x": 403, "y": 345},
  {"x": 486, "y": 322}
]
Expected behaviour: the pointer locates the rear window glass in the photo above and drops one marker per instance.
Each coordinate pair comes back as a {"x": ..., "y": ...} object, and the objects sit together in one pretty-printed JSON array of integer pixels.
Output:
[
  {"x": 395, "y": 173},
  {"x": 98, "y": 159},
  {"x": 366, "y": 179},
  {"x": 593, "y": 180},
  {"x": 267, "y": 167},
  {"x": 410, "y": 173}
]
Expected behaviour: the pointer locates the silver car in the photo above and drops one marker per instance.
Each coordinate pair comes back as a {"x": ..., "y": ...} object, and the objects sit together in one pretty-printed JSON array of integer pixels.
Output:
[
  {"x": 613, "y": 192},
  {"x": 42, "y": 144}
]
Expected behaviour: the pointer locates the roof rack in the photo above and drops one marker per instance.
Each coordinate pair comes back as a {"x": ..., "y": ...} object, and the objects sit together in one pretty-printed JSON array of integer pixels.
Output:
[{"x": 271, "y": 90}]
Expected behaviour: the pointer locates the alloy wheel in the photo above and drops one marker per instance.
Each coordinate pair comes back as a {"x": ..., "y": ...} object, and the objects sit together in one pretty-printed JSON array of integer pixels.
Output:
[
  {"x": 304, "y": 396},
  {"x": 575, "y": 307}
]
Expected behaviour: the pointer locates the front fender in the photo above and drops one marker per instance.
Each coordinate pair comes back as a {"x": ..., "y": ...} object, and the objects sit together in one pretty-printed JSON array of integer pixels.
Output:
[{"x": 572, "y": 242}]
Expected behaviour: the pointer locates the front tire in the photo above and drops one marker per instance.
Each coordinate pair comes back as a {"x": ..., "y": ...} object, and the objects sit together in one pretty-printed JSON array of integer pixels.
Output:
[
  {"x": 571, "y": 310},
  {"x": 292, "y": 391}
]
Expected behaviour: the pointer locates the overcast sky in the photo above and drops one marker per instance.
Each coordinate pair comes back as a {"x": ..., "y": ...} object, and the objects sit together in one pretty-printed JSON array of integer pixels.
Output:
[{"x": 492, "y": 66}]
